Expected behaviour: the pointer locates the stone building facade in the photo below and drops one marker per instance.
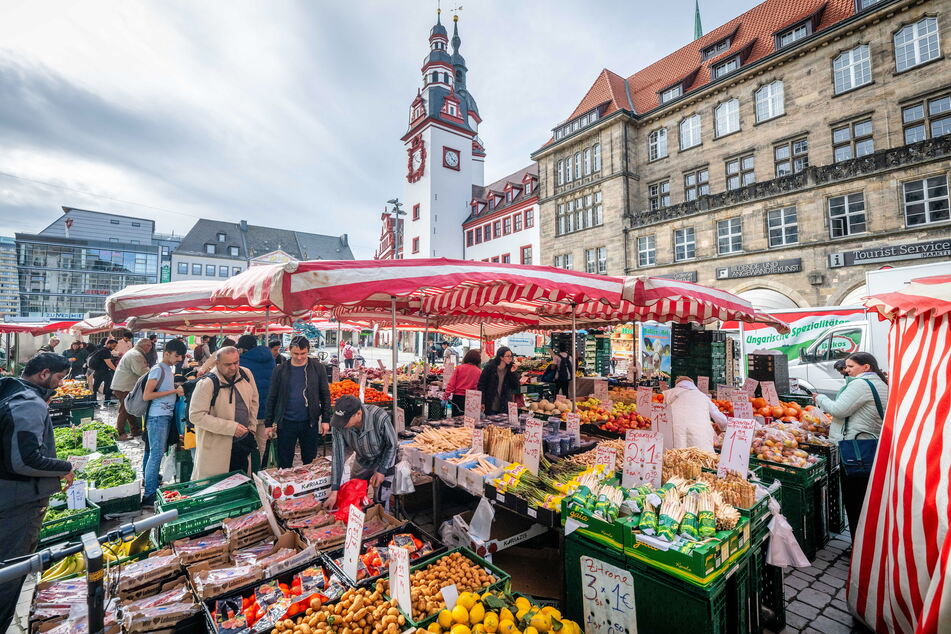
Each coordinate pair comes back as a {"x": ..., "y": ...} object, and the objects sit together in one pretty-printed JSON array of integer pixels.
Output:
[{"x": 780, "y": 156}]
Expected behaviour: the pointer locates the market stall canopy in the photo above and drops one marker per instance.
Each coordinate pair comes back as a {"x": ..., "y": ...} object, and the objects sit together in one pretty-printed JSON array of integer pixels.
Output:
[
  {"x": 209, "y": 320},
  {"x": 56, "y": 326},
  {"x": 93, "y": 325},
  {"x": 901, "y": 561},
  {"x": 145, "y": 300},
  {"x": 20, "y": 327}
]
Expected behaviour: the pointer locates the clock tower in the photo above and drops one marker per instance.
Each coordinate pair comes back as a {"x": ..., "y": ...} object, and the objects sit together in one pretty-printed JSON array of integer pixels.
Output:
[{"x": 444, "y": 155}]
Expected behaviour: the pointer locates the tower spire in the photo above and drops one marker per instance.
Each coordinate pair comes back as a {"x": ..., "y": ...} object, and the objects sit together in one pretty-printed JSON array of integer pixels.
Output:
[{"x": 697, "y": 27}]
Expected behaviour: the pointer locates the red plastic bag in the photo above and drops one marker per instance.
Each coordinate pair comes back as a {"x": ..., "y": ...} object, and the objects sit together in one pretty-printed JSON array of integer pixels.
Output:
[{"x": 352, "y": 493}]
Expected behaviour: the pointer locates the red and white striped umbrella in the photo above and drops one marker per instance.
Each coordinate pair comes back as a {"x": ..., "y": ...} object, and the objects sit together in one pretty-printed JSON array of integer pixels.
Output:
[
  {"x": 145, "y": 300},
  {"x": 209, "y": 320},
  {"x": 900, "y": 577},
  {"x": 93, "y": 325}
]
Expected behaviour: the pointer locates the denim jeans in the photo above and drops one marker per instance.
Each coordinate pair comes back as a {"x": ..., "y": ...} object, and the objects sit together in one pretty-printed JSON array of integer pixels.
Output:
[
  {"x": 288, "y": 435},
  {"x": 157, "y": 429}
]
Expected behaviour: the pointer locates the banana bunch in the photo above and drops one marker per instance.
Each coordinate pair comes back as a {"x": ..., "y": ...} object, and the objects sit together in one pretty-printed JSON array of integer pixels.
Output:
[
  {"x": 65, "y": 568},
  {"x": 114, "y": 551}
]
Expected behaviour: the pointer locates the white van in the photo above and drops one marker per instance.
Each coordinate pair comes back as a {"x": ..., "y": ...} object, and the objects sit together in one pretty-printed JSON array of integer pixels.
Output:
[{"x": 814, "y": 368}]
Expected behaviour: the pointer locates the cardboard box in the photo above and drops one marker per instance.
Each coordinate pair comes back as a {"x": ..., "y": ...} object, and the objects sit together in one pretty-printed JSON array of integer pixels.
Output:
[
  {"x": 474, "y": 482},
  {"x": 115, "y": 493},
  {"x": 508, "y": 529},
  {"x": 447, "y": 471},
  {"x": 374, "y": 512},
  {"x": 295, "y": 486},
  {"x": 609, "y": 534}
]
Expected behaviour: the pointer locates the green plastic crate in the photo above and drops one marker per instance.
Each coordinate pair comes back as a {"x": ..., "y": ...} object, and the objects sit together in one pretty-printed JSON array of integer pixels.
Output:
[
  {"x": 837, "y": 519},
  {"x": 197, "y": 522},
  {"x": 77, "y": 524},
  {"x": 128, "y": 504},
  {"x": 768, "y": 599},
  {"x": 196, "y": 500},
  {"x": 81, "y": 414},
  {"x": 575, "y": 547},
  {"x": 739, "y": 588}
]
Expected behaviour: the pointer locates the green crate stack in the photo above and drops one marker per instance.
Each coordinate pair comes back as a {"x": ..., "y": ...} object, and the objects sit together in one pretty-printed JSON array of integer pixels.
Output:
[
  {"x": 837, "y": 521},
  {"x": 804, "y": 501},
  {"x": 195, "y": 500},
  {"x": 739, "y": 589},
  {"x": 202, "y": 519},
  {"x": 71, "y": 526},
  {"x": 768, "y": 600}
]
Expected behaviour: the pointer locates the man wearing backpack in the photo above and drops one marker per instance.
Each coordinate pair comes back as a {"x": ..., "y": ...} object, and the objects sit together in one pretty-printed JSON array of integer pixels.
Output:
[
  {"x": 132, "y": 365},
  {"x": 103, "y": 367},
  {"x": 29, "y": 470},
  {"x": 161, "y": 395},
  {"x": 224, "y": 410}
]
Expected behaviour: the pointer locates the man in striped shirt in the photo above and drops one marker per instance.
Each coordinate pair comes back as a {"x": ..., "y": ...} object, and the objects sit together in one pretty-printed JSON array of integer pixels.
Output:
[{"x": 368, "y": 432}]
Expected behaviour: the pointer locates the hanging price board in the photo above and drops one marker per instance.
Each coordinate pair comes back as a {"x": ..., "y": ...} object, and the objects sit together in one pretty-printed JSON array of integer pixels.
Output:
[
  {"x": 643, "y": 458},
  {"x": 749, "y": 386},
  {"x": 478, "y": 442},
  {"x": 724, "y": 392},
  {"x": 76, "y": 495},
  {"x": 573, "y": 425},
  {"x": 399, "y": 577},
  {"x": 608, "y": 598},
  {"x": 660, "y": 421},
  {"x": 742, "y": 407},
  {"x": 606, "y": 456},
  {"x": 644, "y": 395},
  {"x": 336, "y": 374},
  {"x": 351, "y": 547},
  {"x": 768, "y": 388},
  {"x": 703, "y": 384},
  {"x": 513, "y": 414},
  {"x": 532, "y": 449},
  {"x": 363, "y": 384},
  {"x": 90, "y": 439},
  {"x": 735, "y": 453},
  {"x": 601, "y": 390},
  {"x": 474, "y": 404}
]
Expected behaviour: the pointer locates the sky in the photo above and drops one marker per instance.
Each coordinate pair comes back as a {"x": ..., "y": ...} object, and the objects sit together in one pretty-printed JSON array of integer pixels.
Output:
[{"x": 283, "y": 113}]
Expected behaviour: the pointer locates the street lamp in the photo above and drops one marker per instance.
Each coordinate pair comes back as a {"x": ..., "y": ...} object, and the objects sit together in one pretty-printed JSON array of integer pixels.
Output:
[{"x": 395, "y": 213}]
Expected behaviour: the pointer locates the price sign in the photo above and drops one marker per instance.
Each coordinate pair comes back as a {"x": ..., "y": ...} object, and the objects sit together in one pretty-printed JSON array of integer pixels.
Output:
[
  {"x": 336, "y": 374},
  {"x": 450, "y": 594},
  {"x": 400, "y": 419},
  {"x": 474, "y": 404},
  {"x": 663, "y": 386},
  {"x": 351, "y": 546},
  {"x": 607, "y": 598},
  {"x": 703, "y": 384},
  {"x": 768, "y": 388},
  {"x": 606, "y": 456},
  {"x": 574, "y": 425},
  {"x": 76, "y": 495},
  {"x": 399, "y": 577},
  {"x": 513, "y": 414},
  {"x": 793, "y": 386},
  {"x": 631, "y": 372},
  {"x": 601, "y": 390},
  {"x": 724, "y": 392},
  {"x": 469, "y": 422},
  {"x": 379, "y": 362},
  {"x": 644, "y": 395},
  {"x": 742, "y": 408},
  {"x": 749, "y": 386},
  {"x": 532, "y": 449},
  {"x": 643, "y": 458},
  {"x": 386, "y": 383},
  {"x": 357, "y": 364},
  {"x": 363, "y": 384},
  {"x": 78, "y": 462},
  {"x": 478, "y": 442},
  {"x": 90, "y": 439},
  {"x": 660, "y": 421},
  {"x": 735, "y": 453}
]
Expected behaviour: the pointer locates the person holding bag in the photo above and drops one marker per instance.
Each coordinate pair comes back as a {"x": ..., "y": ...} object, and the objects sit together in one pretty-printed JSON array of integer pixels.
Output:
[{"x": 857, "y": 411}]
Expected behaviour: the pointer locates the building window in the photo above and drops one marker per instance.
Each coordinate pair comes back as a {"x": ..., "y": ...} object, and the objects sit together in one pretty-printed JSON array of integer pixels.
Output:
[
  {"x": 769, "y": 101},
  {"x": 497, "y": 229},
  {"x": 209, "y": 270},
  {"x": 852, "y": 69},
  {"x": 564, "y": 261},
  {"x": 690, "y": 132},
  {"x": 865, "y": 4},
  {"x": 578, "y": 165},
  {"x": 696, "y": 184},
  {"x": 596, "y": 152},
  {"x": 561, "y": 172},
  {"x": 847, "y": 215},
  {"x": 712, "y": 51},
  {"x": 646, "y": 251},
  {"x": 234, "y": 251},
  {"x": 726, "y": 67},
  {"x": 567, "y": 170},
  {"x": 685, "y": 244},
  {"x": 222, "y": 237},
  {"x": 470, "y": 237},
  {"x": 526, "y": 255},
  {"x": 196, "y": 269},
  {"x": 671, "y": 93},
  {"x": 657, "y": 144},
  {"x": 587, "y": 161},
  {"x": 602, "y": 260},
  {"x": 916, "y": 44},
  {"x": 921, "y": 123},
  {"x": 782, "y": 227},
  {"x": 416, "y": 211},
  {"x": 796, "y": 33},
  {"x": 113, "y": 222},
  {"x": 926, "y": 200},
  {"x": 211, "y": 249},
  {"x": 517, "y": 220},
  {"x": 528, "y": 188},
  {"x": 729, "y": 236},
  {"x": 166, "y": 251},
  {"x": 136, "y": 224},
  {"x": 494, "y": 258},
  {"x": 415, "y": 245},
  {"x": 507, "y": 258},
  {"x": 183, "y": 268},
  {"x": 508, "y": 196},
  {"x": 222, "y": 271},
  {"x": 740, "y": 172},
  {"x": 791, "y": 157},
  {"x": 136, "y": 241},
  {"x": 852, "y": 140},
  {"x": 727, "y": 117},
  {"x": 478, "y": 235},
  {"x": 235, "y": 270},
  {"x": 658, "y": 195},
  {"x": 590, "y": 261},
  {"x": 529, "y": 218},
  {"x": 507, "y": 225}
]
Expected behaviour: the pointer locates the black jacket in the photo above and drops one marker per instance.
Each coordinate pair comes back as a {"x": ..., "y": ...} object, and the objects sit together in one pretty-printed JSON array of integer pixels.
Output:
[
  {"x": 489, "y": 384},
  {"x": 316, "y": 392}
]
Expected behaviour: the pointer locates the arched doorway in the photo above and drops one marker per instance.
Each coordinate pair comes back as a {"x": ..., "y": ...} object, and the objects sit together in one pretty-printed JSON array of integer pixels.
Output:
[
  {"x": 766, "y": 299},
  {"x": 854, "y": 297}
]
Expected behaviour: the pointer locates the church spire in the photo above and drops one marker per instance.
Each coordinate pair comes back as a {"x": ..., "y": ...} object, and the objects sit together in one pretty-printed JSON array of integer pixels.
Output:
[
  {"x": 456, "y": 40},
  {"x": 697, "y": 27}
]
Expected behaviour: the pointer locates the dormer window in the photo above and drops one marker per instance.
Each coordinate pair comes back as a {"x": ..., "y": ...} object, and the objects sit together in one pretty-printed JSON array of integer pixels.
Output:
[
  {"x": 726, "y": 67},
  {"x": 210, "y": 249},
  {"x": 451, "y": 109},
  {"x": 508, "y": 196},
  {"x": 715, "y": 49},
  {"x": 528, "y": 187},
  {"x": 794, "y": 34},
  {"x": 671, "y": 93},
  {"x": 222, "y": 237}
]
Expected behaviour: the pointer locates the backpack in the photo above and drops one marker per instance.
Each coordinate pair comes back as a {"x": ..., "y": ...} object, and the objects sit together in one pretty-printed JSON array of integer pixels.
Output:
[
  {"x": 135, "y": 403},
  {"x": 97, "y": 361},
  {"x": 217, "y": 385}
]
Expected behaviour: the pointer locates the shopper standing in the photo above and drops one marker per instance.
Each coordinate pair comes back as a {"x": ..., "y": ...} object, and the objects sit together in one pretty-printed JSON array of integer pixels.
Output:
[
  {"x": 223, "y": 409},
  {"x": 299, "y": 399},
  {"x": 152, "y": 357},
  {"x": 464, "y": 377},
  {"x": 259, "y": 361},
  {"x": 348, "y": 355},
  {"x": 76, "y": 355},
  {"x": 690, "y": 413},
  {"x": 103, "y": 366},
  {"x": 367, "y": 431},
  {"x": 123, "y": 342},
  {"x": 201, "y": 350},
  {"x": 858, "y": 412},
  {"x": 275, "y": 347},
  {"x": 559, "y": 372},
  {"x": 132, "y": 365},
  {"x": 447, "y": 353},
  {"x": 29, "y": 470},
  {"x": 50, "y": 346},
  {"x": 162, "y": 395},
  {"x": 499, "y": 381}
]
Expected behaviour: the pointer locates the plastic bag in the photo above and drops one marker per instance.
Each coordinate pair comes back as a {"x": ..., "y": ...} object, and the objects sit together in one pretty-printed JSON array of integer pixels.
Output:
[
  {"x": 481, "y": 525},
  {"x": 403, "y": 480},
  {"x": 352, "y": 493},
  {"x": 784, "y": 550}
]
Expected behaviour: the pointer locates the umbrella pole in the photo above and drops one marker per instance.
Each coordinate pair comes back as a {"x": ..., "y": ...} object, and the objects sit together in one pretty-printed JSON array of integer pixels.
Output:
[
  {"x": 425, "y": 352},
  {"x": 398, "y": 428},
  {"x": 574, "y": 359},
  {"x": 8, "y": 353},
  {"x": 267, "y": 323}
]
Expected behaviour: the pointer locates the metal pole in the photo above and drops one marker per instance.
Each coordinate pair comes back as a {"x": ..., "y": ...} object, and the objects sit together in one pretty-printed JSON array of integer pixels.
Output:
[
  {"x": 574, "y": 358},
  {"x": 339, "y": 334},
  {"x": 8, "y": 353},
  {"x": 394, "y": 382},
  {"x": 742, "y": 362},
  {"x": 425, "y": 353},
  {"x": 267, "y": 323}
]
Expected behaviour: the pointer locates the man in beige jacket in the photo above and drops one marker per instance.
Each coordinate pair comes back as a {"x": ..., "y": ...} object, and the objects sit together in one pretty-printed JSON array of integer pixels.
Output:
[
  {"x": 132, "y": 365},
  {"x": 224, "y": 409}
]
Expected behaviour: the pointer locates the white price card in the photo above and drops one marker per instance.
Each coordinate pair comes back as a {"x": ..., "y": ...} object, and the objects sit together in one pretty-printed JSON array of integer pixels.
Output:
[
  {"x": 643, "y": 458},
  {"x": 735, "y": 453},
  {"x": 724, "y": 392},
  {"x": 450, "y": 594},
  {"x": 363, "y": 384},
  {"x": 573, "y": 423},
  {"x": 601, "y": 390},
  {"x": 400, "y": 419},
  {"x": 532, "y": 449},
  {"x": 357, "y": 364},
  {"x": 351, "y": 546},
  {"x": 703, "y": 384},
  {"x": 90, "y": 439},
  {"x": 478, "y": 442},
  {"x": 474, "y": 404},
  {"x": 447, "y": 370},
  {"x": 399, "y": 577},
  {"x": 749, "y": 386},
  {"x": 768, "y": 388},
  {"x": 76, "y": 495},
  {"x": 742, "y": 407},
  {"x": 513, "y": 414},
  {"x": 631, "y": 372},
  {"x": 608, "y": 598},
  {"x": 336, "y": 374},
  {"x": 468, "y": 422},
  {"x": 78, "y": 462},
  {"x": 644, "y": 396},
  {"x": 606, "y": 456},
  {"x": 660, "y": 421}
]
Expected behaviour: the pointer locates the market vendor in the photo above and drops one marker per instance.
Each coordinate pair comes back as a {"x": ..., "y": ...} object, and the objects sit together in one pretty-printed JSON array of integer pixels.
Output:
[
  {"x": 690, "y": 413},
  {"x": 499, "y": 382},
  {"x": 465, "y": 377},
  {"x": 367, "y": 431}
]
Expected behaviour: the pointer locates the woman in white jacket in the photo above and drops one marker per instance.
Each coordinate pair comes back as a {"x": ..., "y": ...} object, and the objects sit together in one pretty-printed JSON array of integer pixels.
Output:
[{"x": 690, "y": 414}]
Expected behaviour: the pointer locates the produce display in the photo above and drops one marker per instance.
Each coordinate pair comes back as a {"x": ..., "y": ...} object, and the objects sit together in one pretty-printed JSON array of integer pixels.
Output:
[
  {"x": 53, "y": 514},
  {"x": 545, "y": 490},
  {"x": 69, "y": 440},
  {"x": 503, "y": 443},
  {"x": 623, "y": 416},
  {"x": 589, "y": 458},
  {"x": 627, "y": 395},
  {"x": 810, "y": 418},
  {"x": 375, "y": 560},
  {"x": 359, "y": 611},
  {"x": 347, "y": 386},
  {"x": 550, "y": 408},
  {"x": 687, "y": 463},
  {"x": 776, "y": 445},
  {"x": 73, "y": 388},
  {"x": 433, "y": 441},
  {"x": 110, "y": 470},
  {"x": 500, "y": 612}
]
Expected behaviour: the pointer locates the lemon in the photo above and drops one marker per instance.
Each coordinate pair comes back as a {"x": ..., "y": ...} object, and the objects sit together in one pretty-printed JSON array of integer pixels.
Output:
[
  {"x": 552, "y": 612},
  {"x": 467, "y": 600},
  {"x": 520, "y": 614},
  {"x": 478, "y": 628},
  {"x": 491, "y": 622},
  {"x": 529, "y": 630},
  {"x": 460, "y": 615},
  {"x": 459, "y": 628},
  {"x": 506, "y": 626},
  {"x": 487, "y": 594},
  {"x": 570, "y": 627},
  {"x": 444, "y": 619},
  {"x": 523, "y": 604},
  {"x": 434, "y": 628},
  {"x": 506, "y": 614},
  {"x": 476, "y": 613},
  {"x": 541, "y": 622}
]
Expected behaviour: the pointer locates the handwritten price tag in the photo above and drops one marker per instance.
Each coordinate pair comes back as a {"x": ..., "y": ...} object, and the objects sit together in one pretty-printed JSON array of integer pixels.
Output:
[
  {"x": 749, "y": 386},
  {"x": 90, "y": 439},
  {"x": 399, "y": 577},
  {"x": 351, "y": 547},
  {"x": 76, "y": 495},
  {"x": 742, "y": 407},
  {"x": 793, "y": 386},
  {"x": 473, "y": 404},
  {"x": 601, "y": 390},
  {"x": 78, "y": 462},
  {"x": 513, "y": 414},
  {"x": 703, "y": 384},
  {"x": 573, "y": 422},
  {"x": 336, "y": 374},
  {"x": 660, "y": 421},
  {"x": 643, "y": 458},
  {"x": 735, "y": 454},
  {"x": 469, "y": 422},
  {"x": 532, "y": 449},
  {"x": 478, "y": 442},
  {"x": 768, "y": 389},
  {"x": 363, "y": 384},
  {"x": 607, "y": 597},
  {"x": 724, "y": 392},
  {"x": 644, "y": 395},
  {"x": 606, "y": 456}
]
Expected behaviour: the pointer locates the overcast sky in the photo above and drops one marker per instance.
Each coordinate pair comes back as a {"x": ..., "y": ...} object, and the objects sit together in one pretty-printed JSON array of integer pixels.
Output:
[{"x": 283, "y": 113}]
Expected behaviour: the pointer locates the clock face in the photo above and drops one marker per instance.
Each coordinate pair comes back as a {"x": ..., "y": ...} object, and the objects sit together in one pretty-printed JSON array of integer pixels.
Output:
[{"x": 452, "y": 158}]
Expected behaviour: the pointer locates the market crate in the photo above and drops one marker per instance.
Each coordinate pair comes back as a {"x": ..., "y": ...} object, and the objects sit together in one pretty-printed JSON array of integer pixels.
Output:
[
  {"x": 805, "y": 508},
  {"x": 197, "y": 500},
  {"x": 837, "y": 519},
  {"x": 606, "y": 534},
  {"x": 432, "y": 409},
  {"x": 830, "y": 452},
  {"x": 331, "y": 557},
  {"x": 739, "y": 589},
  {"x": 124, "y": 498},
  {"x": 79, "y": 415},
  {"x": 83, "y": 522},
  {"x": 768, "y": 597},
  {"x": 788, "y": 474},
  {"x": 183, "y": 465},
  {"x": 205, "y": 519}
]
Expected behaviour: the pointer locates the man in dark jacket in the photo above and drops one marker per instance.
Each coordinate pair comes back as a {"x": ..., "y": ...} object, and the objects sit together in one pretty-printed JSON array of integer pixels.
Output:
[
  {"x": 298, "y": 399},
  {"x": 29, "y": 470},
  {"x": 76, "y": 355},
  {"x": 259, "y": 361},
  {"x": 103, "y": 365}
]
